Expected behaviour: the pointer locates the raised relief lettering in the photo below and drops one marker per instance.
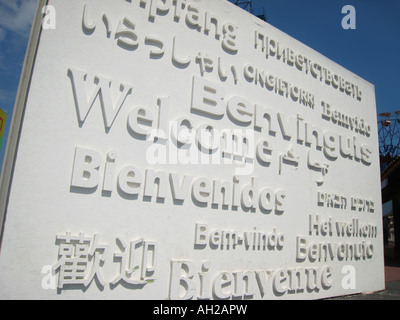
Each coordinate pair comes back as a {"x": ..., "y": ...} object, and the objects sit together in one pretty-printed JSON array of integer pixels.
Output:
[
  {"x": 82, "y": 259},
  {"x": 102, "y": 91},
  {"x": 273, "y": 49}
]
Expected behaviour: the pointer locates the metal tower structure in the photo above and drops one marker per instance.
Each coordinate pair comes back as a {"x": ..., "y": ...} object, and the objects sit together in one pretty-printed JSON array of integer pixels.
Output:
[
  {"x": 248, "y": 6},
  {"x": 389, "y": 136}
]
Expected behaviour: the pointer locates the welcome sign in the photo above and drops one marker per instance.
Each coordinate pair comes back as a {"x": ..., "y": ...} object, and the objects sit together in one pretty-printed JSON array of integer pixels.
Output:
[{"x": 174, "y": 149}]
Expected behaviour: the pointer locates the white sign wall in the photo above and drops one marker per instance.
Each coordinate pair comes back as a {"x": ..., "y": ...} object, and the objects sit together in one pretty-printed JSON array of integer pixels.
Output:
[{"x": 188, "y": 150}]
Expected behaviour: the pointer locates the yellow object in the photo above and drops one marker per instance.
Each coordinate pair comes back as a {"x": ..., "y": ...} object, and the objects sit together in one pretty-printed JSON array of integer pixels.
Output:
[{"x": 3, "y": 117}]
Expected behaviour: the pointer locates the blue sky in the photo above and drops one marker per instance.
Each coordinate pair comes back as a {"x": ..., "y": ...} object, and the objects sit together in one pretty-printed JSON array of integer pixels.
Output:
[{"x": 371, "y": 51}]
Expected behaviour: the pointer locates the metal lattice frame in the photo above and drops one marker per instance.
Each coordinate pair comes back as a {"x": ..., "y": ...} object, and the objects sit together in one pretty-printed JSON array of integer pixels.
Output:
[
  {"x": 248, "y": 6},
  {"x": 389, "y": 135}
]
